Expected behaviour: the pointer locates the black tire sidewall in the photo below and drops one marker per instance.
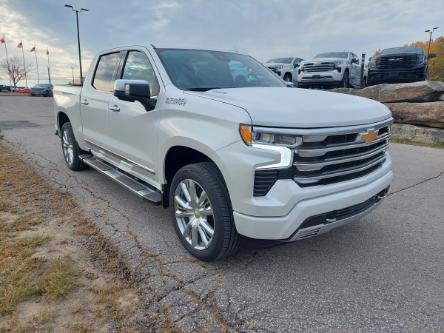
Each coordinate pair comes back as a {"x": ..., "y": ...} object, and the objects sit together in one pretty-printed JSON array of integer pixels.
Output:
[
  {"x": 345, "y": 80},
  {"x": 77, "y": 163},
  {"x": 220, "y": 202}
]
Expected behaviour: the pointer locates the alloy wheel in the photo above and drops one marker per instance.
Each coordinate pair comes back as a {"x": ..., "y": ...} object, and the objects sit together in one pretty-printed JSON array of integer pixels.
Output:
[
  {"x": 68, "y": 148},
  {"x": 194, "y": 214}
]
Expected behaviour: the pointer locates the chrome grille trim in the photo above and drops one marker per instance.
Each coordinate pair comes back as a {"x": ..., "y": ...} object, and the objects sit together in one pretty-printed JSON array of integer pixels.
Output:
[
  {"x": 329, "y": 156},
  {"x": 318, "y": 67},
  {"x": 314, "y": 152},
  {"x": 324, "y": 130},
  {"x": 307, "y": 166},
  {"x": 308, "y": 179}
]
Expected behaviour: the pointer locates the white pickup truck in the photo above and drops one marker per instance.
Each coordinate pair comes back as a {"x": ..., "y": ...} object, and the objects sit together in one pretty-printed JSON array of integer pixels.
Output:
[
  {"x": 330, "y": 69},
  {"x": 231, "y": 154}
]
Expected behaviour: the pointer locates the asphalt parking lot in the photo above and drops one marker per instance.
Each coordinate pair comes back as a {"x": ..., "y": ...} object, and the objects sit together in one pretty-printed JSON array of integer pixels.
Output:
[{"x": 385, "y": 273}]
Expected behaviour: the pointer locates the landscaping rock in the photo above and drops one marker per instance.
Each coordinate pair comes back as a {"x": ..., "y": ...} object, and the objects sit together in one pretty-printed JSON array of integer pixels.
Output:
[
  {"x": 423, "y": 91},
  {"x": 417, "y": 133},
  {"x": 429, "y": 114}
]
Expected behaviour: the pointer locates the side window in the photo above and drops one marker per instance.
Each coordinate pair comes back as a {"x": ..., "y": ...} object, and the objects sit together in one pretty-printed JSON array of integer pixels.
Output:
[
  {"x": 103, "y": 78},
  {"x": 138, "y": 67}
]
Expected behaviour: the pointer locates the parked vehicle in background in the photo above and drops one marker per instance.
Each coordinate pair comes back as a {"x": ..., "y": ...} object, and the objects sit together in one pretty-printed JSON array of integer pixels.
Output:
[
  {"x": 228, "y": 156},
  {"x": 286, "y": 68},
  {"x": 398, "y": 64},
  {"x": 22, "y": 90},
  {"x": 42, "y": 89},
  {"x": 330, "y": 69}
]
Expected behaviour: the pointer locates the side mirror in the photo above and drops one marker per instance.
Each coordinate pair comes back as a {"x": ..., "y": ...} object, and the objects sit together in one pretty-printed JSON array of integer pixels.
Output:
[
  {"x": 296, "y": 65},
  {"x": 133, "y": 90},
  {"x": 432, "y": 55}
]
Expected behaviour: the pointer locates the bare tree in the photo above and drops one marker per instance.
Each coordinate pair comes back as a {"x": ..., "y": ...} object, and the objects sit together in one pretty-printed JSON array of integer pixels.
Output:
[{"x": 15, "y": 70}]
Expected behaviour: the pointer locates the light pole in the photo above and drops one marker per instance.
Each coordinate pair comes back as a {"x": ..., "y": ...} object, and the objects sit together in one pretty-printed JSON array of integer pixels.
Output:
[
  {"x": 430, "y": 31},
  {"x": 77, "y": 11}
]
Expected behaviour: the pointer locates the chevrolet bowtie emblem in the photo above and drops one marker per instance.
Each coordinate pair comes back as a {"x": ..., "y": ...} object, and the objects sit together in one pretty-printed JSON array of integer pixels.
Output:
[{"x": 369, "y": 136}]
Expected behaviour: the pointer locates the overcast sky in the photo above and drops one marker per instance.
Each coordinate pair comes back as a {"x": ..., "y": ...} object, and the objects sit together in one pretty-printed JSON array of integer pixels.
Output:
[{"x": 261, "y": 28}]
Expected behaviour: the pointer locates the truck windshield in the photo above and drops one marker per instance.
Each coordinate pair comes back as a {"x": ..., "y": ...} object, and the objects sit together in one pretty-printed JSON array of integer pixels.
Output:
[
  {"x": 397, "y": 50},
  {"x": 201, "y": 70},
  {"x": 280, "y": 60},
  {"x": 333, "y": 55}
]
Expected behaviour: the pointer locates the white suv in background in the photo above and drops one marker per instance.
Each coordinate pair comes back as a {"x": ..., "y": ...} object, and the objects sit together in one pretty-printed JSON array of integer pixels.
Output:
[
  {"x": 286, "y": 68},
  {"x": 330, "y": 69}
]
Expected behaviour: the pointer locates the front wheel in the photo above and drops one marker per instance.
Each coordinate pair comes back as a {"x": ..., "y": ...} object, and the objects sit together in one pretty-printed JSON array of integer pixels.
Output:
[
  {"x": 345, "y": 83},
  {"x": 288, "y": 77},
  {"x": 201, "y": 212}
]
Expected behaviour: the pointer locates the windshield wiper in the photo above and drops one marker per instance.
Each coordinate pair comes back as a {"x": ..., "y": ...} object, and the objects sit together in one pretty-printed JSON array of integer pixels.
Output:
[{"x": 202, "y": 89}]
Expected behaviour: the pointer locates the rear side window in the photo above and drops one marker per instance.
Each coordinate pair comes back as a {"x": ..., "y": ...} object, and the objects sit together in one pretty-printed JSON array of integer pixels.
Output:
[
  {"x": 138, "y": 67},
  {"x": 104, "y": 76}
]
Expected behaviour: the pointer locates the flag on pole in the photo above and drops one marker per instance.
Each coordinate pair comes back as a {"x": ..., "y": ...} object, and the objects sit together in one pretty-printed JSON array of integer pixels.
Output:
[
  {"x": 2, "y": 40},
  {"x": 20, "y": 45},
  {"x": 33, "y": 49}
]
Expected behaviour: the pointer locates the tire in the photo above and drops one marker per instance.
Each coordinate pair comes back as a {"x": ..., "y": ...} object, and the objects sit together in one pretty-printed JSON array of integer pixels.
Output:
[
  {"x": 288, "y": 77},
  {"x": 70, "y": 148},
  {"x": 345, "y": 83},
  {"x": 224, "y": 240}
]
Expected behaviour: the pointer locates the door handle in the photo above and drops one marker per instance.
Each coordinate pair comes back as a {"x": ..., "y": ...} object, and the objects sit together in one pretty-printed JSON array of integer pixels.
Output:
[
  {"x": 114, "y": 108},
  {"x": 84, "y": 101}
]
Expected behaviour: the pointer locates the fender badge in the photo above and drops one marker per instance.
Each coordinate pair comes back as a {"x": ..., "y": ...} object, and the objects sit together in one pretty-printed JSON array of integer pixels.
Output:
[{"x": 176, "y": 101}]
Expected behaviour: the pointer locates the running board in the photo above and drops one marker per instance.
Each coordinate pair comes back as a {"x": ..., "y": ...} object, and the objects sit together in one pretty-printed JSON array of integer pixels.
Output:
[{"x": 131, "y": 184}]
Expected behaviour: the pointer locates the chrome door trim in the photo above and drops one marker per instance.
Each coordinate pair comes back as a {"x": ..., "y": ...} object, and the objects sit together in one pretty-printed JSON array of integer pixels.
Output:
[{"x": 124, "y": 159}]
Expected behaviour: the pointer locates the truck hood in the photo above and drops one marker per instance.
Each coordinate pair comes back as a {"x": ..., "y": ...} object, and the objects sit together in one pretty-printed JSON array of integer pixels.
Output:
[
  {"x": 322, "y": 60},
  {"x": 274, "y": 64},
  {"x": 300, "y": 108}
]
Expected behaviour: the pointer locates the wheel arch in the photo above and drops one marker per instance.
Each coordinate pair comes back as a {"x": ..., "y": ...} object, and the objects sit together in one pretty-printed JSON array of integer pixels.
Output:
[
  {"x": 62, "y": 118},
  {"x": 178, "y": 156}
]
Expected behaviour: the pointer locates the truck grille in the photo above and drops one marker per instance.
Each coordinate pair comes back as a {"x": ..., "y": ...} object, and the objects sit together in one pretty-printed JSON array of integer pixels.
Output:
[
  {"x": 314, "y": 67},
  {"x": 327, "y": 159},
  {"x": 397, "y": 62}
]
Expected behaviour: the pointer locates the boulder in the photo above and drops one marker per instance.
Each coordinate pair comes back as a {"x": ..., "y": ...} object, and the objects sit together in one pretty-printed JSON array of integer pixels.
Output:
[
  {"x": 423, "y": 91},
  {"x": 417, "y": 133},
  {"x": 429, "y": 114}
]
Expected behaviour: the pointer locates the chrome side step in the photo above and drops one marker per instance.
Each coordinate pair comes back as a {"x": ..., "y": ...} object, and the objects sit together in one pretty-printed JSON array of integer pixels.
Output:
[{"x": 130, "y": 183}]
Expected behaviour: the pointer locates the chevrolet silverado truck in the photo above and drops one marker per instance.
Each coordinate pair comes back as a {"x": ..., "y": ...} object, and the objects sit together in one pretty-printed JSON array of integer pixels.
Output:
[
  {"x": 331, "y": 69},
  {"x": 285, "y": 68},
  {"x": 230, "y": 155},
  {"x": 397, "y": 65}
]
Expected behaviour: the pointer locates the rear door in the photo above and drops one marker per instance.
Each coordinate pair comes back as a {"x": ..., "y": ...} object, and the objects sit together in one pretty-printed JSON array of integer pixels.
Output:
[
  {"x": 133, "y": 129},
  {"x": 94, "y": 99}
]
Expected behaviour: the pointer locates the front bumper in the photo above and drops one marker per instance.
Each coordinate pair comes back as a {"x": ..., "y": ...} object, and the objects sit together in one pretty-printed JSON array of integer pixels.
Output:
[
  {"x": 305, "y": 205},
  {"x": 329, "y": 77},
  {"x": 376, "y": 76}
]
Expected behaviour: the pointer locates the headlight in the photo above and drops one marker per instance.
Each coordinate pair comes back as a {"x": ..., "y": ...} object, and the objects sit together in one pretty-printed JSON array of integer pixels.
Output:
[
  {"x": 251, "y": 137},
  {"x": 422, "y": 60},
  {"x": 278, "y": 143}
]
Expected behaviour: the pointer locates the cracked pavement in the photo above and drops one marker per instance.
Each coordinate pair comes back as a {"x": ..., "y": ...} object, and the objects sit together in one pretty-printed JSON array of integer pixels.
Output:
[{"x": 385, "y": 273}]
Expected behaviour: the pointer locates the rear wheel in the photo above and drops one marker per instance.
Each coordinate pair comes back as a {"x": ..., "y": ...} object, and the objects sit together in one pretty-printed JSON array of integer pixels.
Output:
[
  {"x": 71, "y": 149},
  {"x": 202, "y": 213}
]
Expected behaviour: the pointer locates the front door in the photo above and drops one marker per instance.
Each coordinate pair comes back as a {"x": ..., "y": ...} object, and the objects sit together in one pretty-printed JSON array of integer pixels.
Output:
[{"x": 132, "y": 128}]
